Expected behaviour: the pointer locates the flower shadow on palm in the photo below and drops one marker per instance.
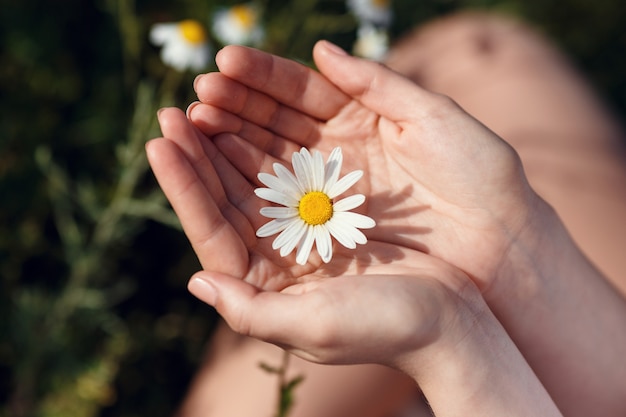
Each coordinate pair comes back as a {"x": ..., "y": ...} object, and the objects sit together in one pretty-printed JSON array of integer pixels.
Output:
[
  {"x": 310, "y": 216},
  {"x": 390, "y": 243}
]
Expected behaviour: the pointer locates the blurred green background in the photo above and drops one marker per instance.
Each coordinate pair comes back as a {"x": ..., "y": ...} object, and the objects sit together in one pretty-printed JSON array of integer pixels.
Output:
[{"x": 95, "y": 319}]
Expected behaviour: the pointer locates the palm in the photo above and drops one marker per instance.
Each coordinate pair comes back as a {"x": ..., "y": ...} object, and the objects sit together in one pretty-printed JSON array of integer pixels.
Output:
[
  {"x": 428, "y": 181},
  {"x": 439, "y": 199},
  {"x": 215, "y": 204}
]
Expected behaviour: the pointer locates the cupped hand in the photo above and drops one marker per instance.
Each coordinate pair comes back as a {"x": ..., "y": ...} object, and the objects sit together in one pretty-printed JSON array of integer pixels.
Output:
[
  {"x": 437, "y": 180},
  {"x": 214, "y": 199},
  {"x": 375, "y": 318}
]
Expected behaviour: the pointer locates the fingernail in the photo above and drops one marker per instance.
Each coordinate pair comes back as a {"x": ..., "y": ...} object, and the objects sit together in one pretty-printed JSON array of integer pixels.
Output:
[
  {"x": 190, "y": 107},
  {"x": 195, "y": 80},
  {"x": 334, "y": 48},
  {"x": 203, "y": 289}
]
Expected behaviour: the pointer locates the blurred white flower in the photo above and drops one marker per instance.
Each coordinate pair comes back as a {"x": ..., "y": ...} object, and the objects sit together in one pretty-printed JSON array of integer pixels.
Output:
[
  {"x": 374, "y": 12},
  {"x": 184, "y": 45},
  {"x": 239, "y": 25},
  {"x": 371, "y": 43}
]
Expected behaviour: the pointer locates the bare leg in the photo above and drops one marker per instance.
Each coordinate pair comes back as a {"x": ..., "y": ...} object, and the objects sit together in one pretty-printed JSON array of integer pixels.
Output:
[
  {"x": 231, "y": 383},
  {"x": 520, "y": 87}
]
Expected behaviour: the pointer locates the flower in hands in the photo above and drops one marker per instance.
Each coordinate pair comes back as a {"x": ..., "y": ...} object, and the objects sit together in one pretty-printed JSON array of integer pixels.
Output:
[
  {"x": 185, "y": 44},
  {"x": 310, "y": 215}
]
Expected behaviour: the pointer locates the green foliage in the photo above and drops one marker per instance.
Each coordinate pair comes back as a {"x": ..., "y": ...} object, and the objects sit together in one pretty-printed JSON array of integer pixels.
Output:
[
  {"x": 286, "y": 385},
  {"x": 95, "y": 319}
]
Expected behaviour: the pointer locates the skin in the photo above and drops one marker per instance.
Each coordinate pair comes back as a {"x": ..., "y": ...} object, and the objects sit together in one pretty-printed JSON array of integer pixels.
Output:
[
  {"x": 431, "y": 324},
  {"x": 438, "y": 182}
]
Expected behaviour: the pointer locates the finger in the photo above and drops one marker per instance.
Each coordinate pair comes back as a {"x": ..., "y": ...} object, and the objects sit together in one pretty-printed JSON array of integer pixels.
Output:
[
  {"x": 275, "y": 317},
  {"x": 212, "y": 121},
  {"x": 248, "y": 159},
  {"x": 231, "y": 191},
  {"x": 289, "y": 83},
  {"x": 256, "y": 108},
  {"x": 174, "y": 126},
  {"x": 375, "y": 86},
  {"x": 217, "y": 245}
]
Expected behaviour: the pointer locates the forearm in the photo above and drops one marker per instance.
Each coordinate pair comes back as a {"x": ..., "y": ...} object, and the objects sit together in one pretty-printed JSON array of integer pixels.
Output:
[
  {"x": 566, "y": 319},
  {"x": 482, "y": 374}
]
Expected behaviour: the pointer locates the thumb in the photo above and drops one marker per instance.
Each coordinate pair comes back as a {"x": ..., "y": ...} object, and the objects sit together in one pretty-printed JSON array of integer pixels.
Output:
[
  {"x": 377, "y": 87},
  {"x": 266, "y": 315}
]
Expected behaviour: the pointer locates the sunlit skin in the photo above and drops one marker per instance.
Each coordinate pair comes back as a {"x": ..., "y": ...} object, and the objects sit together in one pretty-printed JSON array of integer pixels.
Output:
[
  {"x": 437, "y": 182},
  {"x": 416, "y": 187}
]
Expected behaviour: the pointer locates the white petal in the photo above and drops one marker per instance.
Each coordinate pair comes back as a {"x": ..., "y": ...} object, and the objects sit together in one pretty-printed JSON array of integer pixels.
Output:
[
  {"x": 273, "y": 227},
  {"x": 307, "y": 160},
  {"x": 349, "y": 203},
  {"x": 288, "y": 179},
  {"x": 354, "y": 219},
  {"x": 368, "y": 11},
  {"x": 347, "y": 232},
  {"x": 290, "y": 235},
  {"x": 323, "y": 243},
  {"x": 295, "y": 238},
  {"x": 230, "y": 28},
  {"x": 175, "y": 53},
  {"x": 281, "y": 185},
  {"x": 269, "y": 180},
  {"x": 276, "y": 197},
  {"x": 343, "y": 184},
  {"x": 200, "y": 58},
  {"x": 302, "y": 171},
  {"x": 279, "y": 212},
  {"x": 306, "y": 244},
  {"x": 333, "y": 168},
  {"x": 162, "y": 32},
  {"x": 338, "y": 231},
  {"x": 317, "y": 174}
]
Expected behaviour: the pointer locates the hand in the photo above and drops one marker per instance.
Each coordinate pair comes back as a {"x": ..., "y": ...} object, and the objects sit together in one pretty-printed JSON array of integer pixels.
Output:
[
  {"x": 375, "y": 318},
  {"x": 447, "y": 341},
  {"x": 438, "y": 181},
  {"x": 417, "y": 314},
  {"x": 220, "y": 214}
]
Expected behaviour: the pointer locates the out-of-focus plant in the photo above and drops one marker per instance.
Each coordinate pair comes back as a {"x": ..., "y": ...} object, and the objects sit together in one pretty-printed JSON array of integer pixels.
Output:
[
  {"x": 286, "y": 386},
  {"x": 374, "y": 19},
  {"x": 68, "y": 338},
  {"x": 239, "y": 25},
  {"x": 184, "y": 45}
]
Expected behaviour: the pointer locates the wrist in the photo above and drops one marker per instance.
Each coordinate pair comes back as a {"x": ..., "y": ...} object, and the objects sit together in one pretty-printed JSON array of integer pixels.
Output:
[
  {"x": 554, "y": 303},
  {"x": 474, "y": 361},
  {"x": 529, "y": 260}
]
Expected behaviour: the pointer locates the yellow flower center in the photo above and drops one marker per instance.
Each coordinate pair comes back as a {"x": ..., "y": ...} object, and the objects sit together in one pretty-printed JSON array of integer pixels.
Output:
[
  {"x": 245, "y": 15},
  {"x": 315, "y": 208},
  {"x": 192, "y": 31},
  {"x": 381, "y": 3}
]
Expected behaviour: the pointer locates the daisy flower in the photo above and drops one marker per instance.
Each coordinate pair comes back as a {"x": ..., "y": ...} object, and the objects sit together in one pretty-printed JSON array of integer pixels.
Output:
[
  {"x": 371, "y": 43},
  {"x": 184, "y": 44},
  {"x": 238, "y": 25},
  {"x": 375, "y": 12},
  {"x": 309, "y": 213}
]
